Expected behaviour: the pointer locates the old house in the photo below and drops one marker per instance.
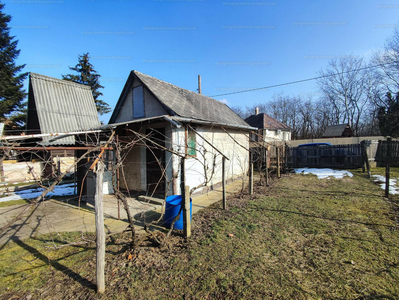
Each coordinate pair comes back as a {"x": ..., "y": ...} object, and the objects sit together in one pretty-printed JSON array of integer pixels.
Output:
[
  {"x": 168, "y": 123},
  {"x": 269, "y": 129},
  {"x": 336, "y": 131}
]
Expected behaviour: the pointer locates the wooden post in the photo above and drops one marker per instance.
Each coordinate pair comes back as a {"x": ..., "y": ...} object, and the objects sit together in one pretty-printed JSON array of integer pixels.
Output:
[
  {"x": 186, "y": 213},
  {"x": 387, "y": 167},
  {"x": 2, "y": 178},
  {"x": 266, "y": 168},
  {"x": 58, "y": 166},
  {"x": 366, "y": 159},
  {"x": 363, "y": 150},
  {"x": 224, "y": 182},
  {"x": 117, "y": 174},
  {"x": 100, "y": 234},
  {"x": 251, "y": 174},
  {"x": 278, "y": 161},
  {"x": 75, "y": 175},
  {"x": 185, "y": 194}
]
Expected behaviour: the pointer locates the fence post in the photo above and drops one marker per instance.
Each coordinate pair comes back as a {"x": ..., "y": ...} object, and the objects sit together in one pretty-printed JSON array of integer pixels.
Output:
[
  {"x": 224, "y": 182},
  {"x": 266, "y": 168},
  {"x": 186, "y": 212},
  {"x": 185, "y": 194},
  {"x": 387, "y": 167},
  {"x": 278, "y": 161},
  {"x": 363, "y": 150},
  {"x": 2, "y": 178},
  {"x": 367, "y": 161},
  {"x": 251, "y": 174},
  {"x": 100, "y": 234}
]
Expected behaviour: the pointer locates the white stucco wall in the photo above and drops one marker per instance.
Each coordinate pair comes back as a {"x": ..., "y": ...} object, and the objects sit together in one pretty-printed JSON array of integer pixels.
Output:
[
  {"x": 236, "y": 166},
  {"x": 275, "y": 135}
]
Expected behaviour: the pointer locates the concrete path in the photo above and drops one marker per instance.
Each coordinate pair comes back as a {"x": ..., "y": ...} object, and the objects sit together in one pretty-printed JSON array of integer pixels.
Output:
[{"x": 60, "y": 216}]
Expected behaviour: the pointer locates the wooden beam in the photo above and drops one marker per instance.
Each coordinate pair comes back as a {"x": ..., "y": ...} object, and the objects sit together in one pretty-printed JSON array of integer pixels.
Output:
[
  {"x": 100, "y": 234},
  {"x": 224, "y": 182},
  {"x": 251, "y": 174},
  {"x": 266, "y": 168},
  {"x": 186, "y": 212},
  {"x": 185, "y": 194},
  {"x": 278, "y": 161},
  {"x": 51, "y": 148},
  {"x": 387, "y": 167}
]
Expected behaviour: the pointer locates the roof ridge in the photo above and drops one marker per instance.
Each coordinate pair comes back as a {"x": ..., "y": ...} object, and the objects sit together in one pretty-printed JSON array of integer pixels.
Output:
[
  {"x": 62, "y": 81},
  {"x": 175, "y": 86}
]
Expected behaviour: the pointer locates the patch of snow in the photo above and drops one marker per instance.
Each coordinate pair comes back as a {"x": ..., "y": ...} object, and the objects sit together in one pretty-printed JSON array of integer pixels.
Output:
[
  {"x": 380, "y": 180},
  {"x": 59, "y": 190},
  {"x": 324, "y": 173}
]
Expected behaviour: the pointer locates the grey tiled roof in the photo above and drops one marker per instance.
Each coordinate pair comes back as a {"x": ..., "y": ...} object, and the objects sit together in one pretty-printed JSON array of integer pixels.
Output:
[
  {"x": 264, "y": 121},
  {"x": 334, "y": 130},
  {"x": 61, "y": 106},
  {"x": 188, "y": 104}
]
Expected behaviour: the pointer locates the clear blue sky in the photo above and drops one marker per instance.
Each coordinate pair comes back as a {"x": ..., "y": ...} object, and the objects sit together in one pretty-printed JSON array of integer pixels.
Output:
[{"x": 233, "y": 44}]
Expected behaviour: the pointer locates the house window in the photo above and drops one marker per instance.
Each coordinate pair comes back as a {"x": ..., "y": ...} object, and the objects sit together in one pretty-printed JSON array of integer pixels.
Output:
[
  {"x": 138, "y": 102},
  {"x": 191, "y": 143}
]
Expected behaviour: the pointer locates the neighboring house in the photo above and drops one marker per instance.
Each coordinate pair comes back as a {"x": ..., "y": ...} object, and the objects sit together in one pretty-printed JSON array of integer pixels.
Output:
[
  {"x": 186, "y": 124},
  {"x": 336, "y": 131},
  {"x": 269, "y": 129}
]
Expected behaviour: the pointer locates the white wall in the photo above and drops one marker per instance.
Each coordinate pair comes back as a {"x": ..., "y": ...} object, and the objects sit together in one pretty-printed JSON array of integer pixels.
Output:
[
  {"x": 236, "y": 166},
  {"x": 275, "y": 135},
  {"x": 18, "y": 171}
]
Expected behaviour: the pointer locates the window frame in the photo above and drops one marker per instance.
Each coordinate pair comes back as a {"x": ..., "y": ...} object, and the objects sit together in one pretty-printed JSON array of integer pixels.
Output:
[{"x": 188, "y": 132}]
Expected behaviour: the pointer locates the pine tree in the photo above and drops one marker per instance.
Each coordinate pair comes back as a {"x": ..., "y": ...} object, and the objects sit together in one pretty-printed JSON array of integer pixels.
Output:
[
  {"x": 12, "y": 93},
  {"x": 388, "y": 117},
  {"x": 88, "y": 76}
]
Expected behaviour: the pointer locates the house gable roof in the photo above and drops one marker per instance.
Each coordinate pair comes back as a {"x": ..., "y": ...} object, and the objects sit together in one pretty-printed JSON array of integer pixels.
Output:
[
  {"x": 264, "y": 121},
  {"x": 57, "y": 105},
  {"x": 336, "y": 130},
  {"x": 181, "y": 102}
]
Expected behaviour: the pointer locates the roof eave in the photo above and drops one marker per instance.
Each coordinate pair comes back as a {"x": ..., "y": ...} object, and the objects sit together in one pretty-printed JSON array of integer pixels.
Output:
[{"x": 202, "y": 122}]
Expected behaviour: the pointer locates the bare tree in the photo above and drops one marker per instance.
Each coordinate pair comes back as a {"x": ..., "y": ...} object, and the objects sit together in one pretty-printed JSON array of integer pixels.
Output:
[
  {"x": 285, "y": 109},
  {"x": 343, "y": 85},
  {"x": 388, "y": 62}
]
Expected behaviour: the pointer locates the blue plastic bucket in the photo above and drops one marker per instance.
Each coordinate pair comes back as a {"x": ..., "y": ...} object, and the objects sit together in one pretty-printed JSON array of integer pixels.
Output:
[{"x": 172, "y": 208}]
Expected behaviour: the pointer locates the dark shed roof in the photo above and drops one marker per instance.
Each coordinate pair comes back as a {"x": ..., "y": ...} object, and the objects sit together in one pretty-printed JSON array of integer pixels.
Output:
[
  {"x": 58, "y": 106},
  {"x": 182, "y": 102},
  {"x": 264, "y": 121},
  {"x": 341, "y": 130}
]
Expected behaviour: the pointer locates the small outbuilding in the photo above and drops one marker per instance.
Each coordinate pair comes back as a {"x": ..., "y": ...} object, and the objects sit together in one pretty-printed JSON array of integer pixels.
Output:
[
  {"x": 337, "y": 131},
  {"x": 62, "y": 115},
  {"x": 165, "y": 123},
  {"x": 59, "y": 106}
]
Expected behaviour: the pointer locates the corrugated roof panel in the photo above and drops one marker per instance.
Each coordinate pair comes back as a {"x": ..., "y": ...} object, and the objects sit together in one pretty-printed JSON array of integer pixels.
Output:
[{"x": 63, "y": 106}]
